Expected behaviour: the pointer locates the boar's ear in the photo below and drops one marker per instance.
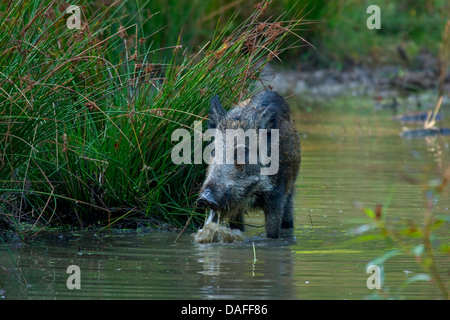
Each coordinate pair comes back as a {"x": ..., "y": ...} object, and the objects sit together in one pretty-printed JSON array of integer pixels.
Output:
[
  {"x": 269, "y": 118},
  {"x": 216, "y": 112}
]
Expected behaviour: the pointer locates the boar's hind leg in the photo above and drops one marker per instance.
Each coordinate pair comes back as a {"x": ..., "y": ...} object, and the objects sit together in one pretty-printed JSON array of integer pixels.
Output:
[
  {"x": 238, "y": 221},
  {"x": 273, "y": 211},
  {"x": 288, "y": 216}
]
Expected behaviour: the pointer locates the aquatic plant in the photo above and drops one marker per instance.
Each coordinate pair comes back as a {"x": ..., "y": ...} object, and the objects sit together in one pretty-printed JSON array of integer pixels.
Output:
[
  {"x": 86, "y": 114},
  {"x": 422, "y": 242}
]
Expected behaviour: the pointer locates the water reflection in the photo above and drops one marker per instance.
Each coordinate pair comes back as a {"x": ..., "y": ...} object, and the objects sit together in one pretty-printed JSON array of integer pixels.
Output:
[{"x": 231, "y": 271}]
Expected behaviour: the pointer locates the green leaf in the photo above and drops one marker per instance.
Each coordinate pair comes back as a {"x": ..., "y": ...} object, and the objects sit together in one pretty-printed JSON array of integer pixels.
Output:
[
  {"x": 418, "y": 250},
  {"x": 418, "y": 277},
  {"x": 369, "y": 213},
  {"x": 437, "y": 224},
  {"x": 412, "y": 232},
  {"x": 445, "y": 248},
  {"x": 384, "y": 257}
]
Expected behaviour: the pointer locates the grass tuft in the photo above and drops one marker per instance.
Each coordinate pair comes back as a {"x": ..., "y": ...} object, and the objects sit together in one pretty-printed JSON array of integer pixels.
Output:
[{"x": 86, "y": 115}]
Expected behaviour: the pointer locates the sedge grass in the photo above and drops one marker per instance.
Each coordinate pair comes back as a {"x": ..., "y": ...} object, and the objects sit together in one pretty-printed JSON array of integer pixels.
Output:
[{"x": 86, "y": 115}]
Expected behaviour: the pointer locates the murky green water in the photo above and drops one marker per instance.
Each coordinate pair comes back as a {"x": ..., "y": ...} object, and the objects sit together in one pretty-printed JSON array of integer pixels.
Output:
[{"x": 347, "y": 157}]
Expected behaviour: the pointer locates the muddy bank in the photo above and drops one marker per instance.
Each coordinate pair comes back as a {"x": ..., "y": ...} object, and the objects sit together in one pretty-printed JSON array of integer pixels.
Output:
[
  {"x": 411, "y": 96},
  {"x": 381, "y": 82}
]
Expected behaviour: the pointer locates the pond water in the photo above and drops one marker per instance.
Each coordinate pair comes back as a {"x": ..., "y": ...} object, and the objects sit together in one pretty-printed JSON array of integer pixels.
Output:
[{"x": 349, "y": 156}]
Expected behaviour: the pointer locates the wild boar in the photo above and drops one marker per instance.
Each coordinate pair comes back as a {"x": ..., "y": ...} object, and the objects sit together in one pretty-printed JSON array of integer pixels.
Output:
[{"x": 251, "y": 178}]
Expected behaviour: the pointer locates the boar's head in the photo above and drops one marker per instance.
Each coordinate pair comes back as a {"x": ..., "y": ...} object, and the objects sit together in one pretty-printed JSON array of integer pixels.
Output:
[{"x": 243, "y": 139}]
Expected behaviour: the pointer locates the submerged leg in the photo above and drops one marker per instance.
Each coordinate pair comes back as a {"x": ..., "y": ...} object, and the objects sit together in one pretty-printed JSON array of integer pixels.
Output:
[{"x": 238, "y": 221}]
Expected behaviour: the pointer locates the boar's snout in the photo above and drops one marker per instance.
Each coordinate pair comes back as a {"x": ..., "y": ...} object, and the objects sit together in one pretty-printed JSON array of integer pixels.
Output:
[{"x": 206, "y": 200}]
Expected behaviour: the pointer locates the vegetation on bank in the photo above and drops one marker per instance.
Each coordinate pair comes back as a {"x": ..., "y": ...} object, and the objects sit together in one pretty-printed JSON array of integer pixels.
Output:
[
  {"x": 408, "y": 29},
  {"x": 86, "y": 115},
  {"x": 336, "y": 29}
]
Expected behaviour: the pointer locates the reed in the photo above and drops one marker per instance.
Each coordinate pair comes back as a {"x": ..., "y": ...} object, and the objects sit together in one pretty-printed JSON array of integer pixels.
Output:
[{"x": 86, "y": 115}]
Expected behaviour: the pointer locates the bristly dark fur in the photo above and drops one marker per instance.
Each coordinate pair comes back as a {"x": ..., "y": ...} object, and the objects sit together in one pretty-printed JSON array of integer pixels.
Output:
[{"x": 231, "y": 189}]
